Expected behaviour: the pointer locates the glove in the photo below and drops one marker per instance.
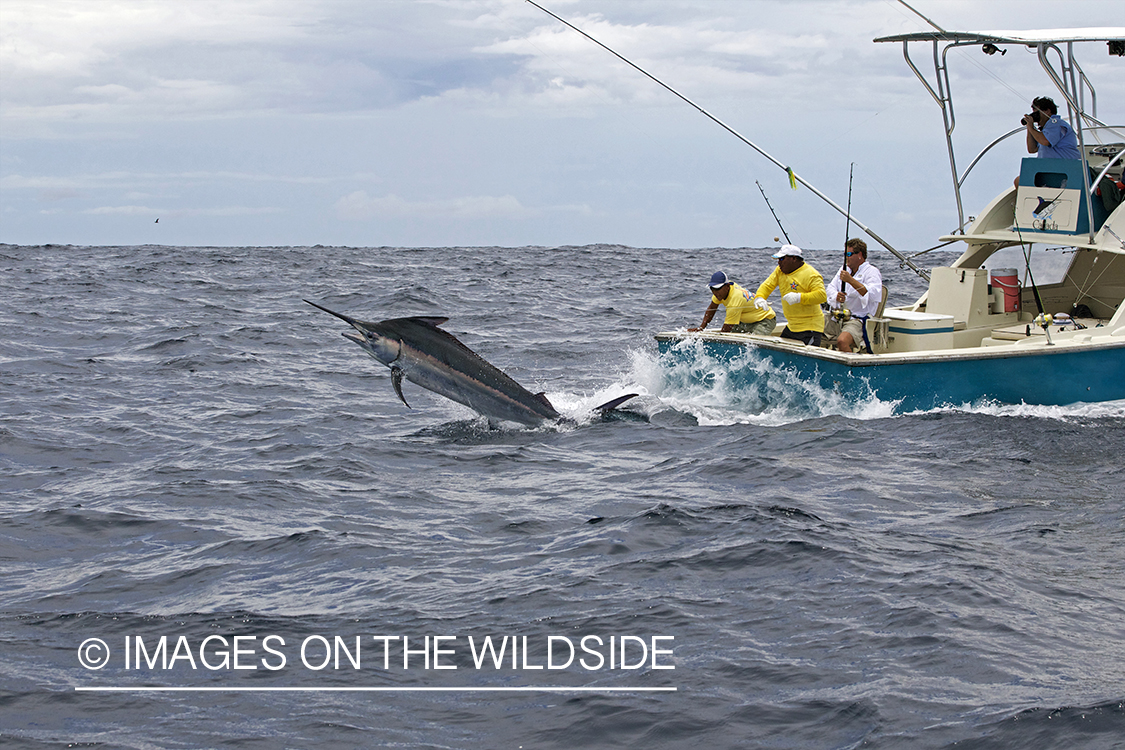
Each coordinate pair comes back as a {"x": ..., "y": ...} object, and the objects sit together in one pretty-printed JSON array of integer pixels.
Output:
[
  {"x": 761, "y": 304},
  {"x": 793, "y": 298}
]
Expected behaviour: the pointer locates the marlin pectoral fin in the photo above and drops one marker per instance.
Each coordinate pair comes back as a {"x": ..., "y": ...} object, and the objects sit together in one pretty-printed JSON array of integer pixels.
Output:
[
  {"x": 396, "y": 381},
  {"x": 611, "y": 405}
]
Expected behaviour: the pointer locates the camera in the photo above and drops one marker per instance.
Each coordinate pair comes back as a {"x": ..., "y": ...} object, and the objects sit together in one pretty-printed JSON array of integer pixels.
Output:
[{"x": 1035, "y": 117}]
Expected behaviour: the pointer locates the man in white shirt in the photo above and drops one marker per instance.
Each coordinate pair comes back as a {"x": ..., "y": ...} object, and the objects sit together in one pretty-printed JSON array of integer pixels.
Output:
[{"x": 858, "y": 287}]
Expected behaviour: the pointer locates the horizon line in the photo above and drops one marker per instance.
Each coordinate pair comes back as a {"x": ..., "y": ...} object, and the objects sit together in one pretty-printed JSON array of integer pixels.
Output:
[{"x": 385, "y": 689}]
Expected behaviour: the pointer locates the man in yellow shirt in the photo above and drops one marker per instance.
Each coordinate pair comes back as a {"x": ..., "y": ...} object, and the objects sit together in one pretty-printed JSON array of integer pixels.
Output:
[
  {"x": 745, "y": 314},
  {"x": 802, "y": 293}
]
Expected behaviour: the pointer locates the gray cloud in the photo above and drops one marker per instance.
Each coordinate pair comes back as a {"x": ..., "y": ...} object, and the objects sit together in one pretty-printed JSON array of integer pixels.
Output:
[{"x": 476, "y": 121}]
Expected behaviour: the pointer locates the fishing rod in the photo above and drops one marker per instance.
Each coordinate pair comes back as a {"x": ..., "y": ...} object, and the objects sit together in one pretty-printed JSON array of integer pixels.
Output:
[
  {"x": 1043, "y": 320},
  {"x": 794, "y": 178},
  {"x": 931, "y": 23},
  {"x": 772, "y": 212},
  {"x": 847, "y": 230},
  {"x": 847, "y": 223}
]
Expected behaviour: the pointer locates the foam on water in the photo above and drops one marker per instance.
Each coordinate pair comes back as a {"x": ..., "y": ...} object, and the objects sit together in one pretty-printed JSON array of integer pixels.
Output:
[
  {"x": 718, "y": 392},
  {"x": 580, "y": 407},
  {"x": 1079, "y": 412}
]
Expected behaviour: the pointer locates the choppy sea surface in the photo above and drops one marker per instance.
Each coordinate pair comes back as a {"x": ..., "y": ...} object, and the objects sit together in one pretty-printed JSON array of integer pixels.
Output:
[{"x": 271, "y": 550}]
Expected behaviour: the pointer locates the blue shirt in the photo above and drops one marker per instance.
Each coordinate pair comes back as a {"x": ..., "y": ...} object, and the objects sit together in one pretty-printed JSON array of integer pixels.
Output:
[{"x": 1064, "y": 143}]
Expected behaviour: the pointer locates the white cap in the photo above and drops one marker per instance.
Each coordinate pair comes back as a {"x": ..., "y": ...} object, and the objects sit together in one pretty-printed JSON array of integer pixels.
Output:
[{"x": 789, "y": 250}]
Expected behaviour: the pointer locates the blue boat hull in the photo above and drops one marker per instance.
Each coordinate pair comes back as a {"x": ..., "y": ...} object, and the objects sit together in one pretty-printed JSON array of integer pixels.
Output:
[{"x": 1043, "y": 376}]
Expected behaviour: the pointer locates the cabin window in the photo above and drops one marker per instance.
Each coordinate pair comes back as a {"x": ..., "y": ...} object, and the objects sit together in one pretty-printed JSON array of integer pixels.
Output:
[{"x": 1050, "y": 180}]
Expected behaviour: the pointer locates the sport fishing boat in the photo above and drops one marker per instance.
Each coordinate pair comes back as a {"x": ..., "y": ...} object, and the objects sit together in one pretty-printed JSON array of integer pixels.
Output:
[{"x": 977, "y": 335}]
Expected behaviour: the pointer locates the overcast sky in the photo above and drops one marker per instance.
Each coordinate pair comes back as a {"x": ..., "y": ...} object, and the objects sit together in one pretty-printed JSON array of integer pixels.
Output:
[{"x": 486, "y": 122}]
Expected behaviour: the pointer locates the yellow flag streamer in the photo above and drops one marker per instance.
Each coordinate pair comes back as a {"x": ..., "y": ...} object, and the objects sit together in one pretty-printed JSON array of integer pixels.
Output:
[{"x": 792, "y": 177}]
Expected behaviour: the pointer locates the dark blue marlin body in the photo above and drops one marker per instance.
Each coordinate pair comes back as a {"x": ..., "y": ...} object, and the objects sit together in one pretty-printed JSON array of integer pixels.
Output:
[{"x": 417, "y": 350}]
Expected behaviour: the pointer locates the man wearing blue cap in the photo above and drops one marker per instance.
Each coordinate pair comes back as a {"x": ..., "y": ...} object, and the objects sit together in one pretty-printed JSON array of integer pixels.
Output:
[{"x": 744, "y": 313}]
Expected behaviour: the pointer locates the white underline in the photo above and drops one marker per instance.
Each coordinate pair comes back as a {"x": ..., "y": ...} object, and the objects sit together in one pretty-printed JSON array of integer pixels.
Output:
[{"x": 530, "y": 689}]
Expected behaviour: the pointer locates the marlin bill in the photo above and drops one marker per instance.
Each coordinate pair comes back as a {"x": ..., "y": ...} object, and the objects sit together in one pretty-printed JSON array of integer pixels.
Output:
[{"x": 417, "y": 350}]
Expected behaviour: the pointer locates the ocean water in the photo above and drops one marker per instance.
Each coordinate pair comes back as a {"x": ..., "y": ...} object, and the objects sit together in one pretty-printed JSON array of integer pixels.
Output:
[{"x": 272, "y": 551}]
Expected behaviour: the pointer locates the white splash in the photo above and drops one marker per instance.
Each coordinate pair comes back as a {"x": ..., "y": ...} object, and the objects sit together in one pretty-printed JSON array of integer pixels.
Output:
[{"x": 748, "y": 389}]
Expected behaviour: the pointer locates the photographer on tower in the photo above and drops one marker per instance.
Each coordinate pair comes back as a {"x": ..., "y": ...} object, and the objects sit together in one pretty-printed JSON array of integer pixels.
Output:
[{"x": 1048, "y": 135}]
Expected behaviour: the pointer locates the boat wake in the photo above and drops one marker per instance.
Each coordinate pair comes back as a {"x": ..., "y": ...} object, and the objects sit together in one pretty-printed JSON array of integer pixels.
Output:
[{"x": 1079, "y": 413}]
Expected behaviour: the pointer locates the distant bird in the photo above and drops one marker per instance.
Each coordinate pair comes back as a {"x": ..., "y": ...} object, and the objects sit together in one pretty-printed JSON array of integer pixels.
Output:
[{"x": 157, "y": 221}]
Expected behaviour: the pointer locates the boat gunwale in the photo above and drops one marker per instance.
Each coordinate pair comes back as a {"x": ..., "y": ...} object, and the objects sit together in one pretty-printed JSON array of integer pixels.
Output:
[{"x": 999, "y": 351}]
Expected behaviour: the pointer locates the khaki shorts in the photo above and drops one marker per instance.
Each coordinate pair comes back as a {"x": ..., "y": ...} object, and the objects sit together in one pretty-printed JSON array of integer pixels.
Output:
[
  {"x": 762, "y": 327},
  {"x": 833, "y": 329}
]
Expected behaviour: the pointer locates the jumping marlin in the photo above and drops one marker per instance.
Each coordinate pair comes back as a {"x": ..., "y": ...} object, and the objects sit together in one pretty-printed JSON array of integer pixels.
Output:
[{"x": 416, "y": 349}]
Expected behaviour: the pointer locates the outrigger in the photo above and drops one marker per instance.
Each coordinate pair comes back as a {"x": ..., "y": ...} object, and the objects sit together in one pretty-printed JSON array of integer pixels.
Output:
[{"x": 974, "y": 336}]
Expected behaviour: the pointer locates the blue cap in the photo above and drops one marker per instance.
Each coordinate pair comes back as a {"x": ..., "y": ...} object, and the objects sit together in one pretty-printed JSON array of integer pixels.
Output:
[{"x": 718, "y": 279}]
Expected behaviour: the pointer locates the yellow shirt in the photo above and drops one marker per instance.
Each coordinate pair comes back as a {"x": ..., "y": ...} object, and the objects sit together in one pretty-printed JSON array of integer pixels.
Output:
[
  {"x": 806, "y": 315},
  {"x": 740, "y": 307}
]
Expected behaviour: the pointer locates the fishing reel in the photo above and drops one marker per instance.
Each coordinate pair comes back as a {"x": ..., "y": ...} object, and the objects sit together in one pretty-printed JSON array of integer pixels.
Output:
[
  {"x": 842, "y": 314},
  {"x": 1062, "y": 320}
]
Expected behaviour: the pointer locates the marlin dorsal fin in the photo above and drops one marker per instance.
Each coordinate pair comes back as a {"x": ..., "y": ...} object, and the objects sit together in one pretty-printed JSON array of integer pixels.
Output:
[{"x": 430, "y": 320}]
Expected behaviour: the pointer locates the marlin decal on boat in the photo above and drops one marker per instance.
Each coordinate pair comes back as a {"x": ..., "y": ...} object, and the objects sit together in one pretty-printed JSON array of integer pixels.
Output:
[{"x": 417, "y": 350}]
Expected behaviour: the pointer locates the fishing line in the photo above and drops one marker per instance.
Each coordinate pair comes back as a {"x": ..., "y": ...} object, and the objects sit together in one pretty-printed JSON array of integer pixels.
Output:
[
  {"x": 960, "y": 52},
  {"x": 1090, "y": 284},
  {"x": 668, "y": 88},
  {"x": 562, "y": 67},
  {"x": 935, "y": 247},
  {"x": 826, "y": 147},
  {"x": 793, "y": 177},
  {"x": 1087, "y": 283}
]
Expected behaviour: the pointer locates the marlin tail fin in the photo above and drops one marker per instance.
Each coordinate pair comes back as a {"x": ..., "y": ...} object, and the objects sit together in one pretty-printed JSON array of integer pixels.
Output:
[{"x": 611, "y": 405}]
